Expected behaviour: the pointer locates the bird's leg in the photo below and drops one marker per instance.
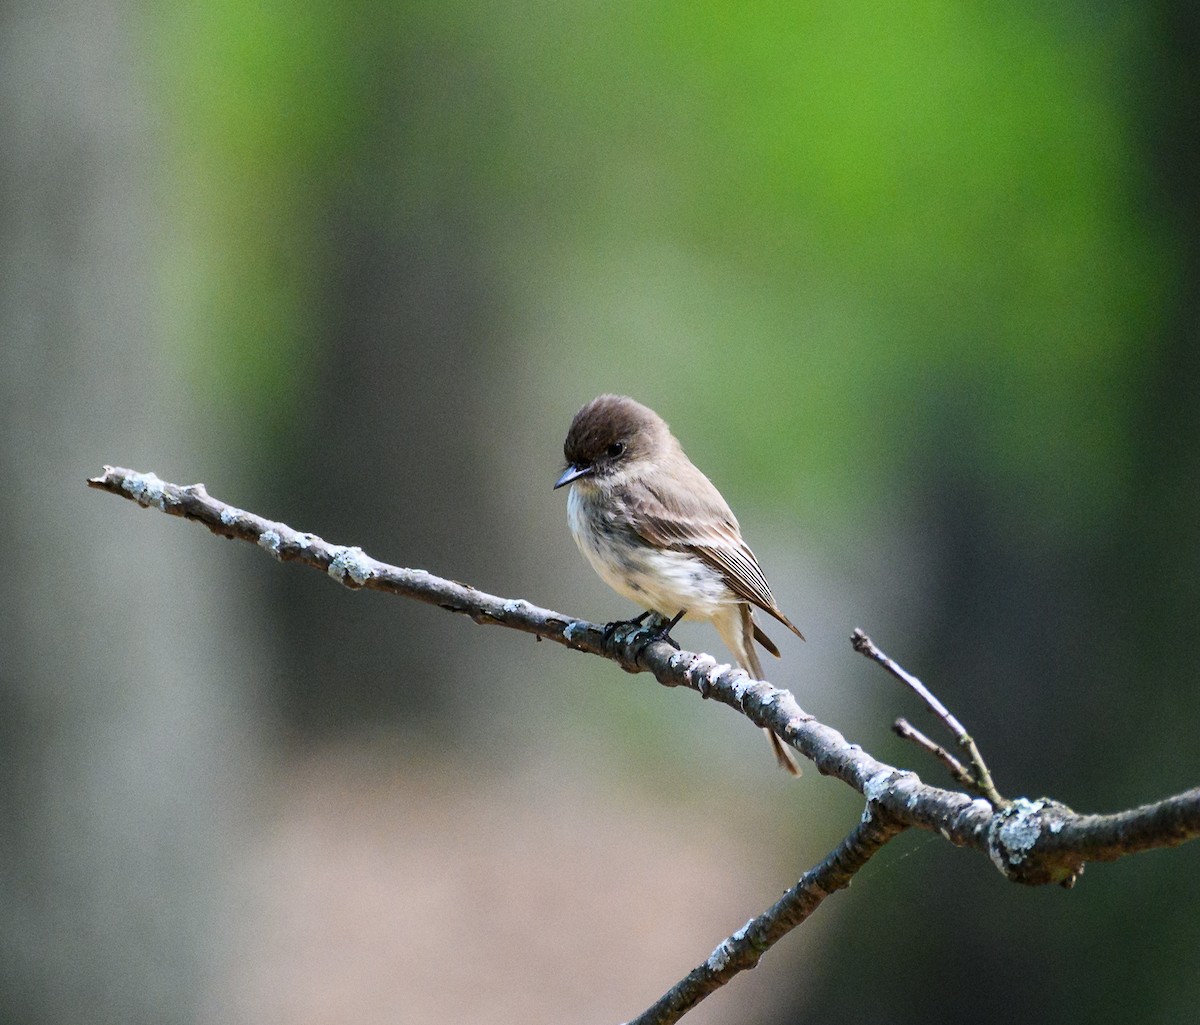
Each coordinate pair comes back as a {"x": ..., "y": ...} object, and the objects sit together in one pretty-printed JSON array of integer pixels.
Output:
[
  {"x": 663, "y": 632},
  {"x": 611, "y": 628}
]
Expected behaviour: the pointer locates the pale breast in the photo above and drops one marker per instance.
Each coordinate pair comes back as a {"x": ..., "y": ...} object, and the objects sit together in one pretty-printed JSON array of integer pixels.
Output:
[{"x": 661, "y": 579}]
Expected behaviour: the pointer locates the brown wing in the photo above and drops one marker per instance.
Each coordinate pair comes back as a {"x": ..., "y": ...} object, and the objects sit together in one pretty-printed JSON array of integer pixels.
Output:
[
  {"x": 690, "y": 513},
  {"x": 745, "y": 578}
]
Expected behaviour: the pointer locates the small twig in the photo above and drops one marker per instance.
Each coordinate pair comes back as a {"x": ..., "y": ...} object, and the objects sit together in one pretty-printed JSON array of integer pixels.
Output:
[
  {"x": 907, "y": 731},
  {"x": 981, "y": 777},
  {"x": 745, "y": 948},
  {"x": 865, "y": 646}
]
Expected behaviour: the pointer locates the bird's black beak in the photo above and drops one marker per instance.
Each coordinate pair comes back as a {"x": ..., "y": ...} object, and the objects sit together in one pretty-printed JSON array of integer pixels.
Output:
[{"x": 572, "y": 472}]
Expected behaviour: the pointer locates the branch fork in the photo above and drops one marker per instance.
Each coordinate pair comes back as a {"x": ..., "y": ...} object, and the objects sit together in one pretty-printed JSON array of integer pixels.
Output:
[{"x": 977, "y": 777}]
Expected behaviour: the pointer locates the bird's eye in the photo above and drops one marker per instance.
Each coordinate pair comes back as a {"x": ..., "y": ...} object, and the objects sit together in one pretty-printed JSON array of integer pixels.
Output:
[{"x": 615, "y": 449}]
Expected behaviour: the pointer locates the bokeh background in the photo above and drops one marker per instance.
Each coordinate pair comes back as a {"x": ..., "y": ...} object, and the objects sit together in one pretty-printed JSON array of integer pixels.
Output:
[{"x": 916, "y": 285}]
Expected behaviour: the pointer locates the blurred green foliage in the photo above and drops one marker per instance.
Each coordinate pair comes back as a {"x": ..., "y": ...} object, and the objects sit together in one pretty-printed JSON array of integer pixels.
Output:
[{"x": 839, "y": 218}]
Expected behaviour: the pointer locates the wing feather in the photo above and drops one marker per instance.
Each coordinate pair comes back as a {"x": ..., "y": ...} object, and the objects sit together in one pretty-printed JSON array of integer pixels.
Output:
[{"x": 692, "y": 515}]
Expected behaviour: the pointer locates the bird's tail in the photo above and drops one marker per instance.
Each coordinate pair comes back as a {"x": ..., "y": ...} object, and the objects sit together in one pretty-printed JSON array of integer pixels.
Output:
[{"x": 737, "y": 630}]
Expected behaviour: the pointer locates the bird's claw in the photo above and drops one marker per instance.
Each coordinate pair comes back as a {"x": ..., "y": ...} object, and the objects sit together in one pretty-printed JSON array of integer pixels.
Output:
[
  {"x": 661, "y": 633},
  {"x": 616, "y": 624}
]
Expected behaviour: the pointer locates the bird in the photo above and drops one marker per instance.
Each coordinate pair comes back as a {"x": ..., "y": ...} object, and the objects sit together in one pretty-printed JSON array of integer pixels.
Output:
[{"x": 657, "y": 531}]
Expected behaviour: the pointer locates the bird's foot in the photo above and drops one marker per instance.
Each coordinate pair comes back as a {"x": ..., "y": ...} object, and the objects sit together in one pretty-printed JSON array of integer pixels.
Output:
[
  {"x": 616, "y": 624},
  {"x": 662, "y": 633}
]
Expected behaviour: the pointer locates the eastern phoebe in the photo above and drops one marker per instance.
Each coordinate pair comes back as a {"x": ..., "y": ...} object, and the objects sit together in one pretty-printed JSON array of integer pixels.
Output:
[{"x": 658, "y": 532}]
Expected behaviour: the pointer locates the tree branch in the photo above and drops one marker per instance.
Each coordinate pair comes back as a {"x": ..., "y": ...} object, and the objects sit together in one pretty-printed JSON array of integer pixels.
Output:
[
  {"x": 980, "y": 777},
  {"x": 907, "y": 731},
  {"x": 1030, "y": 841},
  {"x": 744, "y": 948}
]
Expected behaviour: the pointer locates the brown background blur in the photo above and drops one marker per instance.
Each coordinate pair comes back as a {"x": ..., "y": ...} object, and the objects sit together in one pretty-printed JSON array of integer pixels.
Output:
[{"x": 916, "y": 287}]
